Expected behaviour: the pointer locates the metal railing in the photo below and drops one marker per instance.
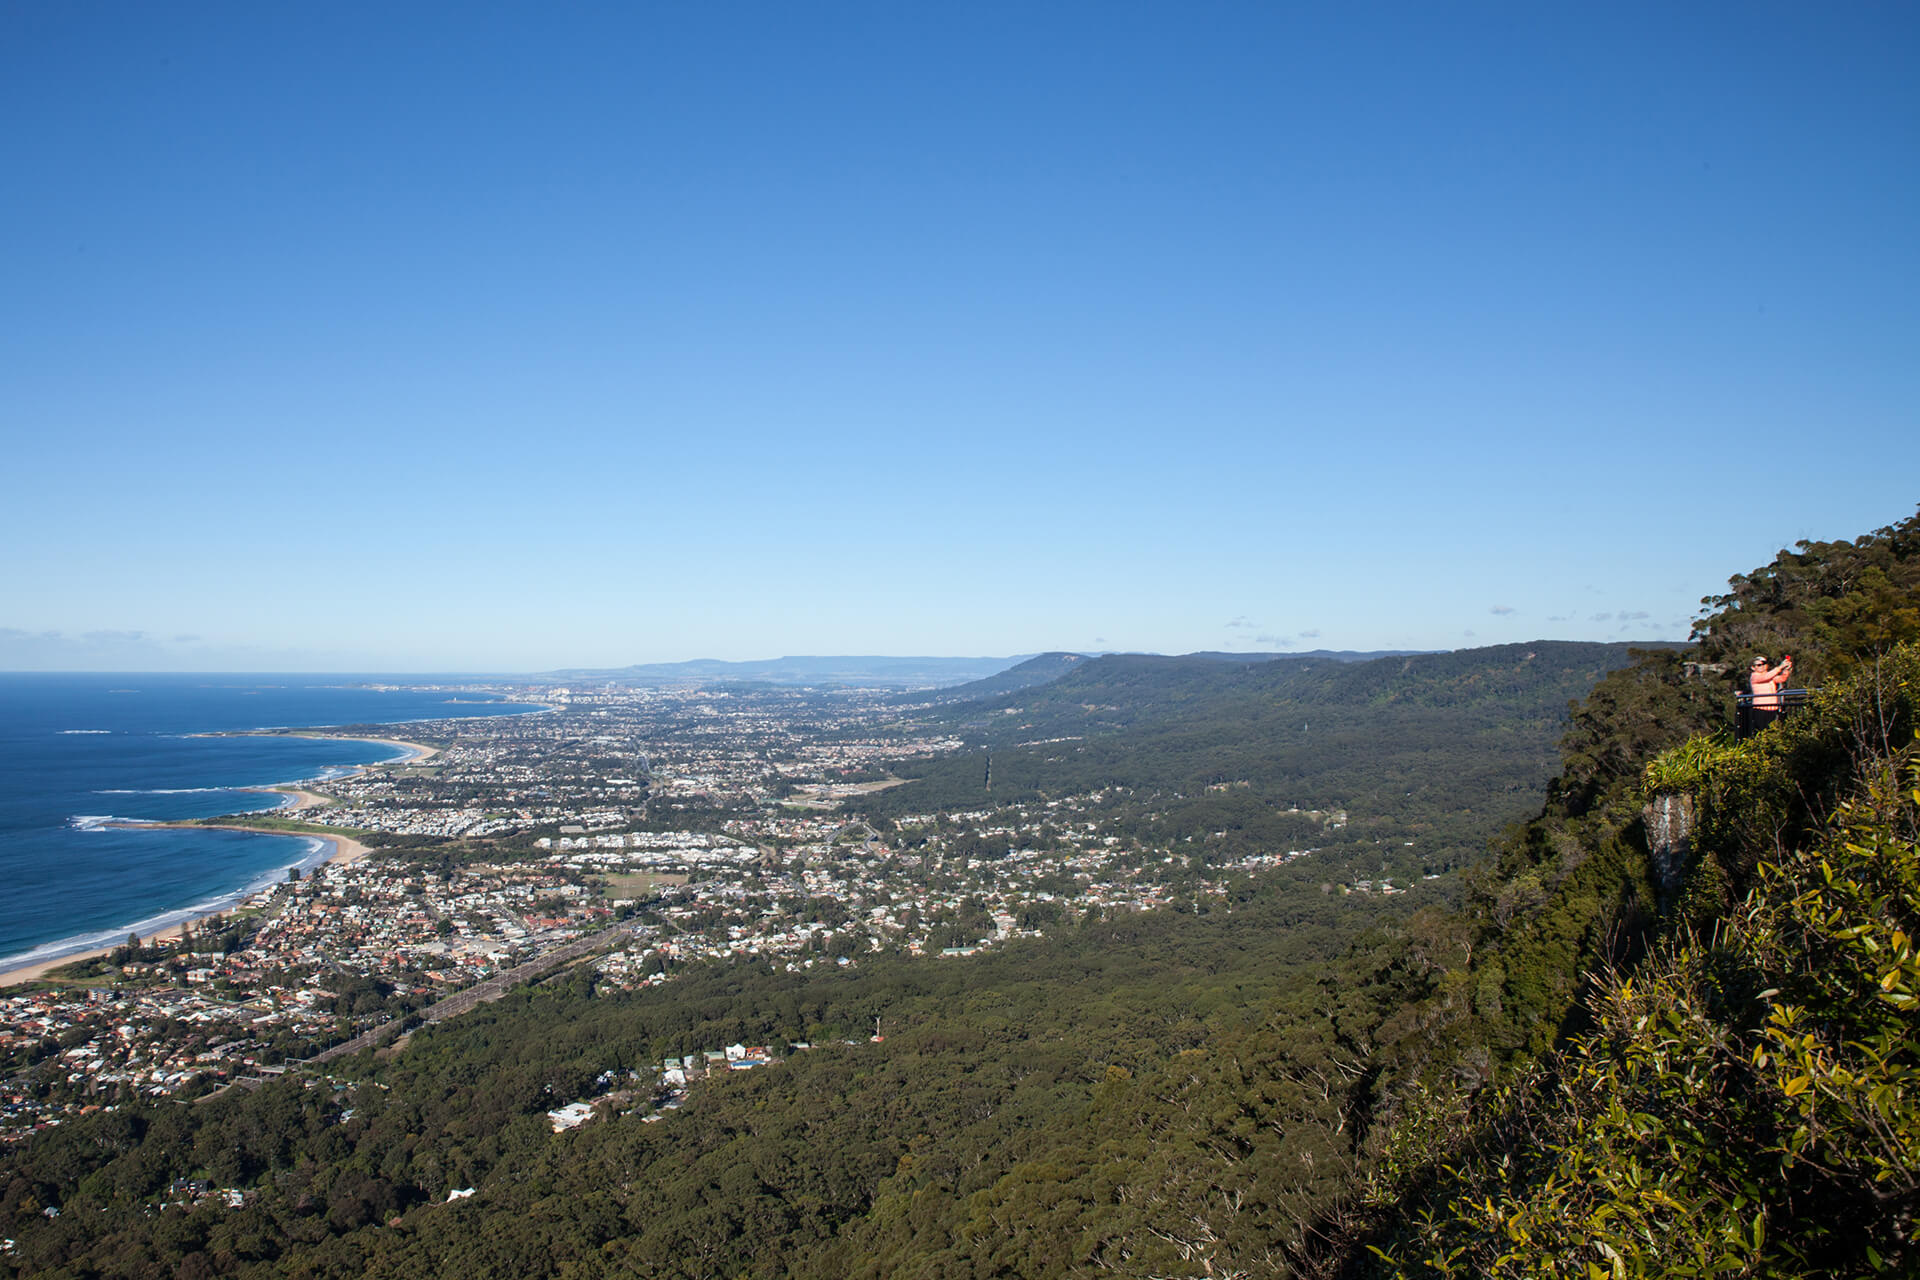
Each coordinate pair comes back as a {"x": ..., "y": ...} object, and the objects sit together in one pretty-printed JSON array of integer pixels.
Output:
[{"x": 1749, "y": 719}]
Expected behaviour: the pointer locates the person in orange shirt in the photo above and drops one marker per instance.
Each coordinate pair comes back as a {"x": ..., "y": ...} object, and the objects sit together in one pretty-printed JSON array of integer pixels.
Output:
[{"x": 1766, "y": 683}]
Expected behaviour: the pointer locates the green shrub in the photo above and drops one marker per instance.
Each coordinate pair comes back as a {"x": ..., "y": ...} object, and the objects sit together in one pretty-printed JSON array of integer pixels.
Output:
[{"x": 1748, "y": 1103}]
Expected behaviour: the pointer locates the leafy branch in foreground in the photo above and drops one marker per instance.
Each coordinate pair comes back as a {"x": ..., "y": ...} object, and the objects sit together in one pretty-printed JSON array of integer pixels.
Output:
[{"x": 1748, "y": 1104}]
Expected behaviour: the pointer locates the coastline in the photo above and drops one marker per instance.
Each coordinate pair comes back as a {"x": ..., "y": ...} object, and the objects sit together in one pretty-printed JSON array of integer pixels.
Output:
[
  {"x": 417, "y": 752},
  {"x": 296, "y": 797},
  {"x": 342, "y": 849}
]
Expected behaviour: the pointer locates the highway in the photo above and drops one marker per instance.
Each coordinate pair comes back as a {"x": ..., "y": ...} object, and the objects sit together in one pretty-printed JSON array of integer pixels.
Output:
[{"x": 480, "y": 993}]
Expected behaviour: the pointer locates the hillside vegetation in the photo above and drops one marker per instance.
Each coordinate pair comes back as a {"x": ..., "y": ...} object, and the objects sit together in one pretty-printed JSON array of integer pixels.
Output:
[
  {"x": 1714, "y": 1071},
  {"x": 1440, "y": 750}
]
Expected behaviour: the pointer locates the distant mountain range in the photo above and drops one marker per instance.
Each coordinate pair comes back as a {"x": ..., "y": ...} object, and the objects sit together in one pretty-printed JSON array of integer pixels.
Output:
[
  {"x": 960, "y": 678},
  {"x": 860, "y": 671}
]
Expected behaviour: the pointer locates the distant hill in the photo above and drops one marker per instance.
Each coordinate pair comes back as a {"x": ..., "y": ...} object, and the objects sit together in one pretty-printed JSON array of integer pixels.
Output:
[
  {"x": 1131, "y": 690},
  {"x": 865, "y": 672},
  {"x": 1044, "y": 669},
  {"x": 878, "y": 672},
  {"x": 1439, "y": 747},
  {"x": 1114, "y": 692},
  {"x": 1338, "y": 655}
]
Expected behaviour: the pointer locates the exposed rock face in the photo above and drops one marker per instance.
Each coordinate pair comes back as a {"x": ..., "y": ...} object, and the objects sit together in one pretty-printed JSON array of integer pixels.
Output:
[{"x": 1669, "y": 822}]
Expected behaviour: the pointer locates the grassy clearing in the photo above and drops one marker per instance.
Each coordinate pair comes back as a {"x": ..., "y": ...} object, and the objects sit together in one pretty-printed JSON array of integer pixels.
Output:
[{"x": 632, "y": 884}]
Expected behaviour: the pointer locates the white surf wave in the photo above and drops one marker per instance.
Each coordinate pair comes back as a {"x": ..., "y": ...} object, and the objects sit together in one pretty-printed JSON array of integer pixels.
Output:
[{"x": 312, "y": 855}]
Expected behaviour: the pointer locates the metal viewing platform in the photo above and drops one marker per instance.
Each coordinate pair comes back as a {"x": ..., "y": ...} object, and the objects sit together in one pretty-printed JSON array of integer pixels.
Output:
[{"x": 1749, "y": 719}]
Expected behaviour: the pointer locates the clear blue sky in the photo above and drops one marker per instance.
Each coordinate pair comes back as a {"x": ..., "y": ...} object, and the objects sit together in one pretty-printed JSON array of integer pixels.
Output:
[{"x": 469, "y": 337}]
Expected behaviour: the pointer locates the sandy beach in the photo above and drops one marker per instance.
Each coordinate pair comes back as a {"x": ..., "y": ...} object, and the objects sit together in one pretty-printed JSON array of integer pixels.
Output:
[
  {"x": 302, "y": 799},
  {"x": 343, "y": 849},
  {"x": 417, "y": 752}
]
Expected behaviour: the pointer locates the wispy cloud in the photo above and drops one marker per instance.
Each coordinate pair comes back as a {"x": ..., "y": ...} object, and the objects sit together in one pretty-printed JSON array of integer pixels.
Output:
[
  {"x": 1501, "y": 608},
  {"x": 1310, "y": 635},
  {"x": 1635, "y": 616},
  {"x": 1601, "y": 617},
  {"x": 127, "y": 649}
]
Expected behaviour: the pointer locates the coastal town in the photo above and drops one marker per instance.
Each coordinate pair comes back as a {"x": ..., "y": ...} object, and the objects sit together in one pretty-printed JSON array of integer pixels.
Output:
[{"x": 617, "y": 837}]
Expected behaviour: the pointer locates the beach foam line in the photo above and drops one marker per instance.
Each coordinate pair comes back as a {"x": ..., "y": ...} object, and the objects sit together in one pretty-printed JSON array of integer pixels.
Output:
[
  {"x": 145, "y": 927},
  {"x": 67, "y": 731},
  {"x": 314, "y": 855},
  {"x": 335, "y": 772},
  {"x": 166, "y": 791},
  {"x": 106, "y": 822}
]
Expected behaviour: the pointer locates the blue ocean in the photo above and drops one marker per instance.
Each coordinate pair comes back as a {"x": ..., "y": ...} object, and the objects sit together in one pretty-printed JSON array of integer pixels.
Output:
[{"x": 78, "y": 752}]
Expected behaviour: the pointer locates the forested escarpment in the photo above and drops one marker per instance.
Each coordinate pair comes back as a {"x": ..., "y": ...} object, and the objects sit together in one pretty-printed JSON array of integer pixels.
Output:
[
  {"x": 1625, "y": 1051},
  {"x": 1435, "y": 749},
  {"x": 1745, "y": 1100},
  {"x": 1707, "y": 1061}
]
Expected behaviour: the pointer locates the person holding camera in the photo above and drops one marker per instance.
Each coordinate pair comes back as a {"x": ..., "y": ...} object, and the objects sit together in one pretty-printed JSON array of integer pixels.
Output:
[{"x": 1765, "y": 683}]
